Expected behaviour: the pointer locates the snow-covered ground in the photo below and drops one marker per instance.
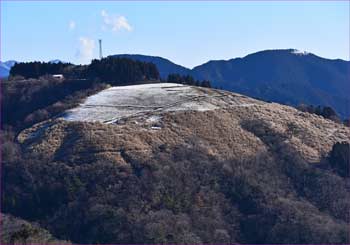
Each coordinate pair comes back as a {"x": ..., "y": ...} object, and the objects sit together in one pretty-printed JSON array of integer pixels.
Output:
[{"x": 146, "y": 101}]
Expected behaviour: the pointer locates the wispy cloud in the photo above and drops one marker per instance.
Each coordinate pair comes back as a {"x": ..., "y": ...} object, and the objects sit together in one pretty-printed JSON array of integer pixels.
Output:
[
  {"x": 115, "y": 22},
  {"x": 71, "y": 25},
  {"x": 86, "y": 49}
]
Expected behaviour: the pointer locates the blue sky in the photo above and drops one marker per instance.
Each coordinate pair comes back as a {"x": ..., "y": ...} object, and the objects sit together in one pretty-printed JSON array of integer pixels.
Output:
[{"x": 188, "y": 33}]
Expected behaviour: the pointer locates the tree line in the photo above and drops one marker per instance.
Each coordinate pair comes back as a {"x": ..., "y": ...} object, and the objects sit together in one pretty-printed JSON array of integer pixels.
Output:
[
  {"x": 188, "y": 80},
  {"x": 324, "y": 111},
  {"x": 37, "y": 69},
  {"x": 116, "y": 70},
  {"x": 120, "y": 71},
  {"x": 112, "y": 70}
]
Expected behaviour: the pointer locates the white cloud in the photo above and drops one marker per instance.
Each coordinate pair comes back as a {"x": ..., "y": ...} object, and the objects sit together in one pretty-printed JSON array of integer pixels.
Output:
[
  {"x": 104, "y": 13},
  {"x": 86, "y": 49},
  {"x": 115, "y": 22},
  {"x": 71, "y": 25}
]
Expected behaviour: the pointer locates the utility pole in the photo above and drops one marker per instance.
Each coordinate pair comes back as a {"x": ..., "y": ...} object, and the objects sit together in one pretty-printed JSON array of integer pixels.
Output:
[{"x": 100, "y": 43}]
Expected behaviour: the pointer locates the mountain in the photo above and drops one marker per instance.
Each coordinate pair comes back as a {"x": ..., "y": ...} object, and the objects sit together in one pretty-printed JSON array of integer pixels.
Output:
[
  {"x": 4, "y": 71},
  {"x": 10, "y": 63},
  {"x": 164, "y": 66},
  {"x": 5, "y": 68},
  {"x": 168, "y": 163},
  {"x": 56, "y": 61},
  {"x": 287, "y": 76}
]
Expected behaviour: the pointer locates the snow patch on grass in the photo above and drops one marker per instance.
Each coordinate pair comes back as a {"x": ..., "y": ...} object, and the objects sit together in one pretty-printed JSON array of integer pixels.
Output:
[{"x": 145, "y": 101}]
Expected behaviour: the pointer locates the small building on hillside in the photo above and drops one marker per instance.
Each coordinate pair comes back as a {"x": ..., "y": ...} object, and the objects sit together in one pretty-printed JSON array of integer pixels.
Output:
[{"x": 58, "y": 76}]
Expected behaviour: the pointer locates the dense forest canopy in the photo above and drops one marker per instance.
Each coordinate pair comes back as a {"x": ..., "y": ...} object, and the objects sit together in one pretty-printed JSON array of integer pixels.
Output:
[
  {"x": 120, "y": 71},
  {"x": 37, "y": 69},
  {"x": 114, "y": 70},
  {"x": 324, "y": 111}
]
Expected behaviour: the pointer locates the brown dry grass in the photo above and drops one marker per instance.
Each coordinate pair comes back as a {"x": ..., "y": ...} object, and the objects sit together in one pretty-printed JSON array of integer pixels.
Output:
[{"x": 219, "y": 132}]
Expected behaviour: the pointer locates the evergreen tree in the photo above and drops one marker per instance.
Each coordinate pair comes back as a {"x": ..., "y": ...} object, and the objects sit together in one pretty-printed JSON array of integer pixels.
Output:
[{"x": 188, "y": 80}]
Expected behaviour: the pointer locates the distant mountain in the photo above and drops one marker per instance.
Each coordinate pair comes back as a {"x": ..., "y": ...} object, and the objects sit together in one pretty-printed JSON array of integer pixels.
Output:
[
  {"x": 5, "y": 68},
  {"x": 10, "y": 63},
  {"x": 56, "y": 61},
  {"x": 285, "y": 76},
  {"x": 4, "y": 71},
  {"x": 164, "y": 66}
]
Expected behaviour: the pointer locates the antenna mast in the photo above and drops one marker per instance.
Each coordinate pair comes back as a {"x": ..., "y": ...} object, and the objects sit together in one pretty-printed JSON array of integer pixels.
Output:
[{"x": 100, "y": 43}]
